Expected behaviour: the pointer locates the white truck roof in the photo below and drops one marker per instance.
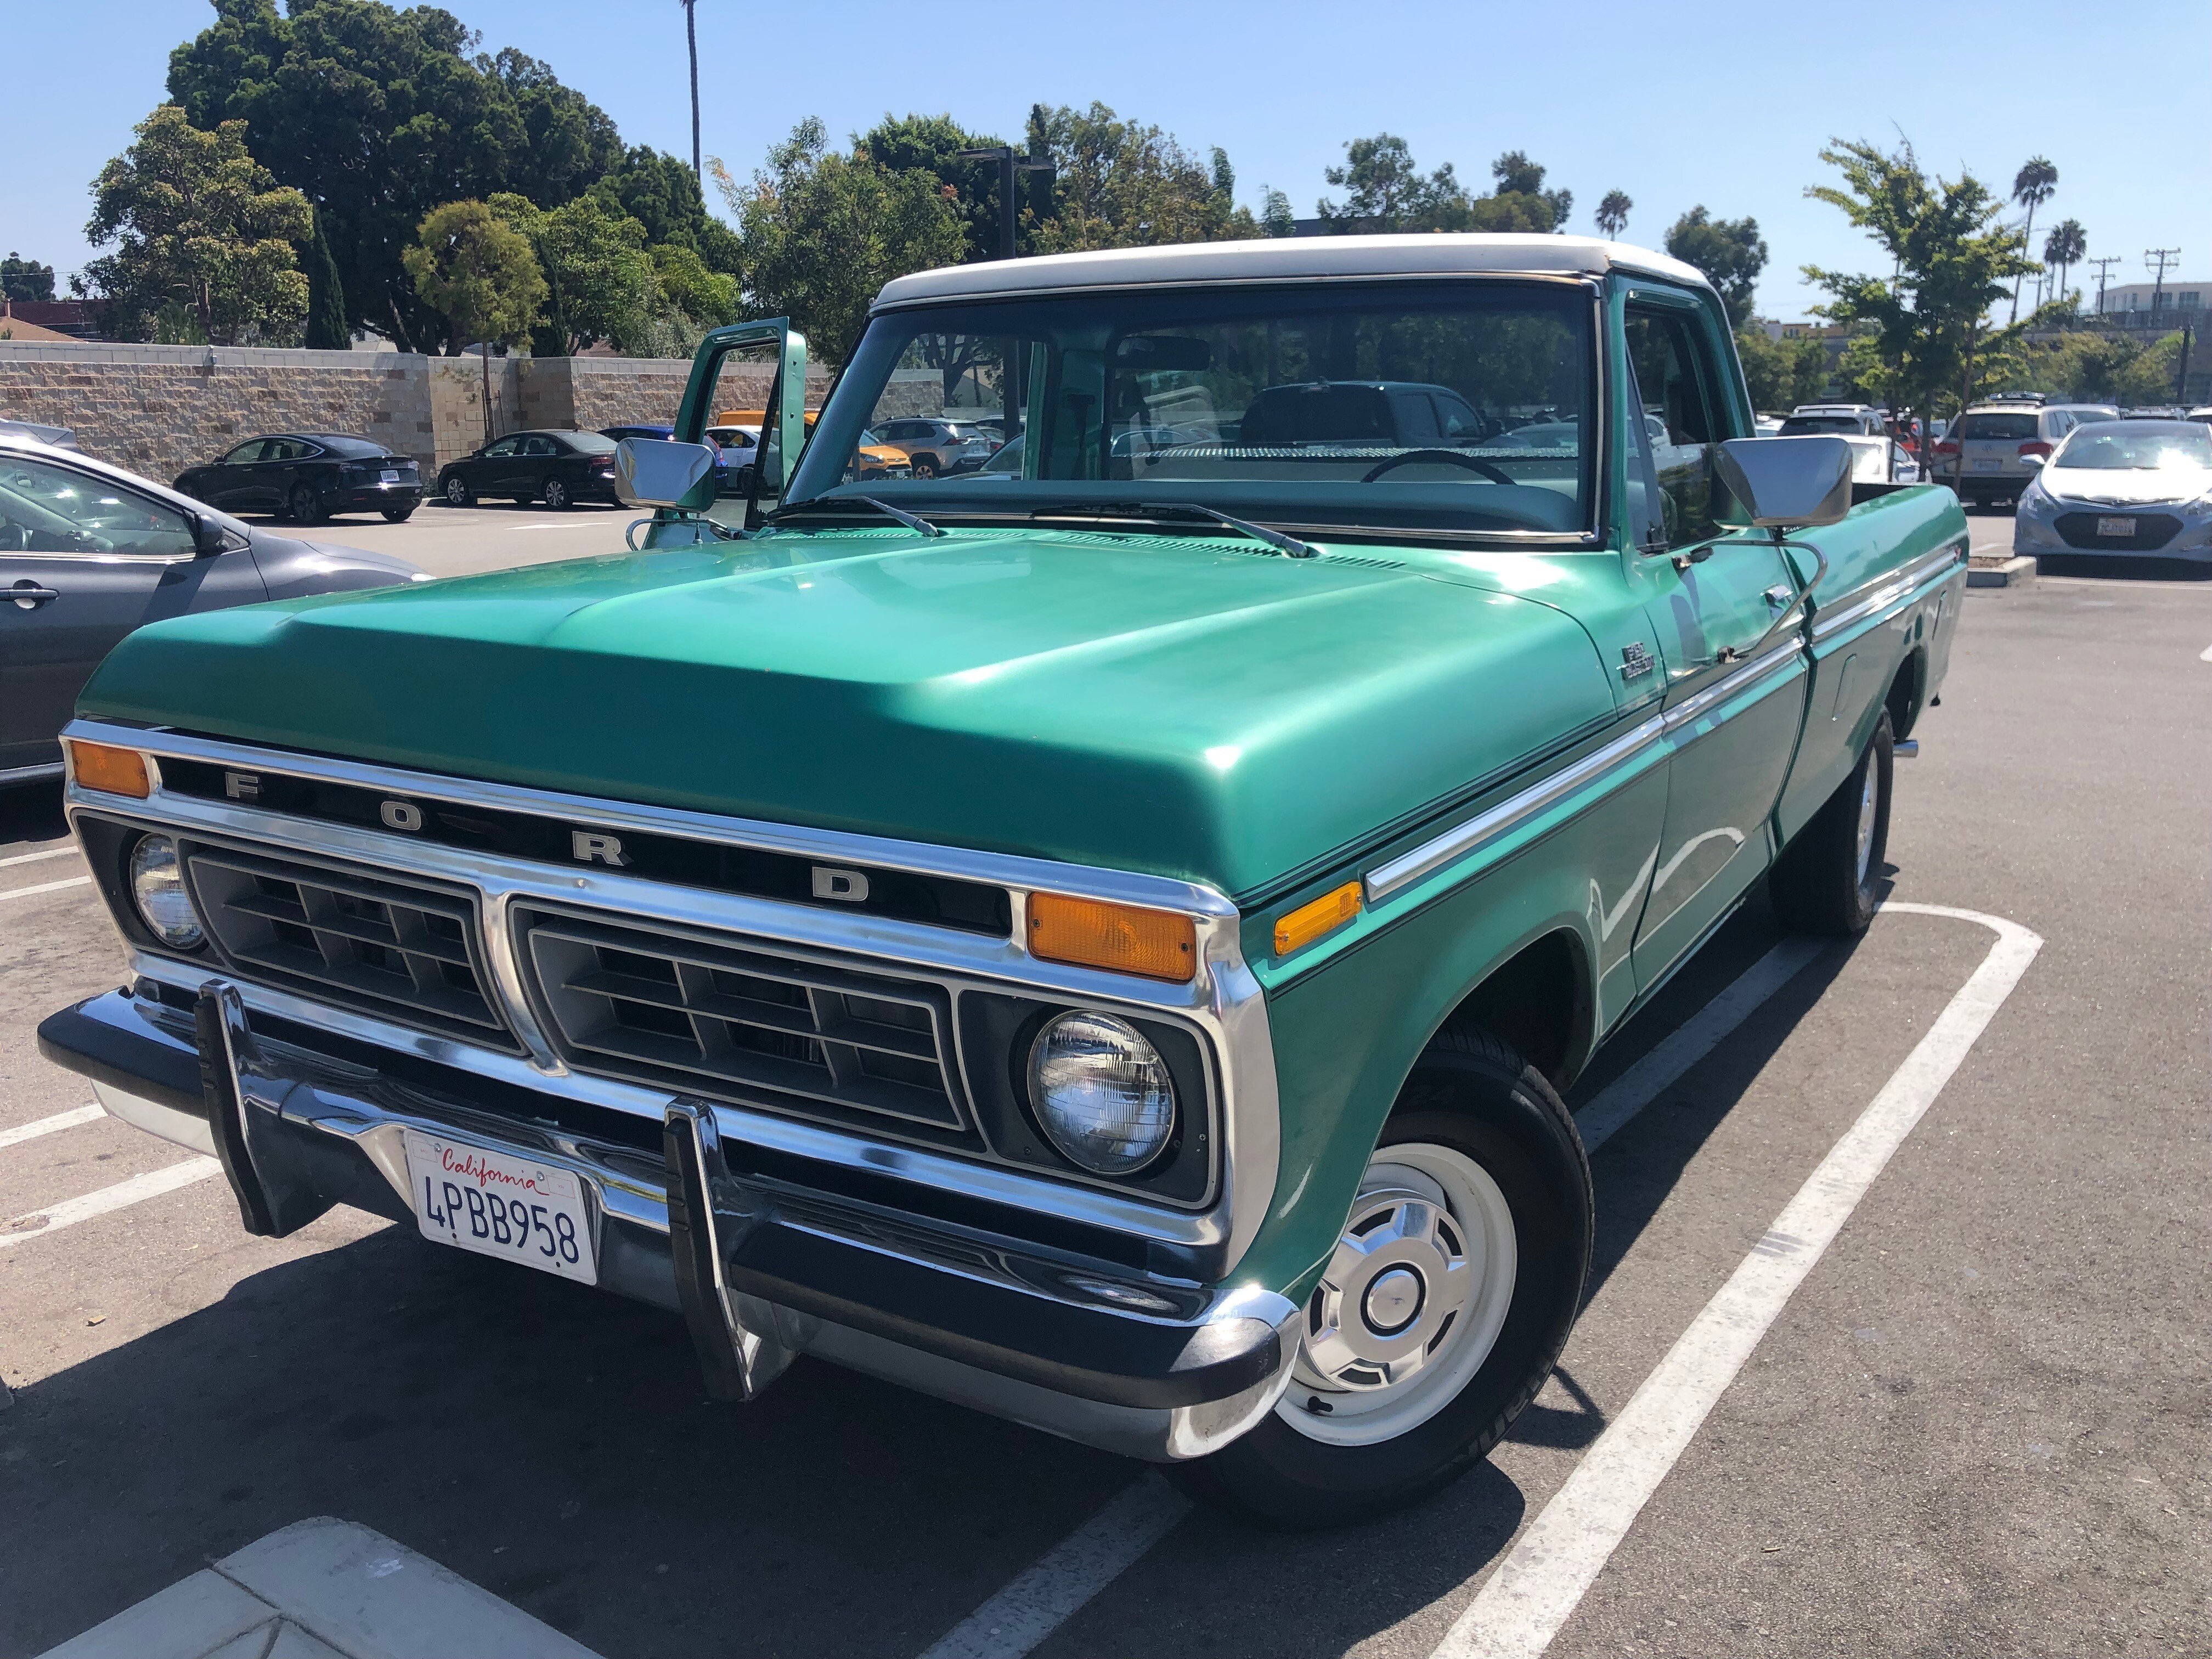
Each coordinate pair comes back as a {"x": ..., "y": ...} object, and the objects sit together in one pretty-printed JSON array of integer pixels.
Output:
[{"x": 1288, "y": 256}]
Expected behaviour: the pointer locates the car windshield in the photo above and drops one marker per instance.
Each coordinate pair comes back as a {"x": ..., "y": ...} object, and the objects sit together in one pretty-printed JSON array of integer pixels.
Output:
[
  {"x": 1799, "y": 426},
  {"x": 357, "y": 449},
  {"x": 2114, "y": 446},
  {"x": 589, "y": 443},
  {"x": 1463, "y": 406},
  {"x": 2013, "y": 427}
]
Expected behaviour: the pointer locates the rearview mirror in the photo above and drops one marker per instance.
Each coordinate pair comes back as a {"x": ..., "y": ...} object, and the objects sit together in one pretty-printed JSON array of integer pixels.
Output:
[
  {"x": 654, "y": 472},
  {"x": 208, "y": 537},
  {"x": 1788, "y": 483}
]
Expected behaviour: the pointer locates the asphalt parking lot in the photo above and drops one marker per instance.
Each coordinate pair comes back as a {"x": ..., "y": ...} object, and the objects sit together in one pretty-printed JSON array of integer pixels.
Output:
[{"x": 1982, "y": 1424}]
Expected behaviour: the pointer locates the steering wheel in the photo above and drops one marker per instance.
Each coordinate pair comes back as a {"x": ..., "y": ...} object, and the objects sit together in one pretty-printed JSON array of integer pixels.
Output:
[{"x": 1424, "y": 455}]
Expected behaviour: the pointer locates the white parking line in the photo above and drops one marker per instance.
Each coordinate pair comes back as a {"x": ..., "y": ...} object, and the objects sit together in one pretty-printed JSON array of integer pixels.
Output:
[
  {"x": 1542, "y": 1579},
  {"x": 32, "y": 857},
  {"x": 2205, "y": 655},
  {"x": 1066, "y": 1576},
  {"x": 106, "y": 1200},
  {"x": 45, "y": 887},
  {"x": 46, "y": 1126}
]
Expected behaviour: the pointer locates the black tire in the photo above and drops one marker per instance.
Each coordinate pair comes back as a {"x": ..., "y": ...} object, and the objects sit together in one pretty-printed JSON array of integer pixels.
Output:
[
  {"x": 1471, "y": 1093},
  {"x": 1821, "y": 884},
  {"x": 456, "y": 491},
  {"x": 925, "y": 466},
  {"x": 398, "y": 514},
  {"x": 557, "y": 496},
  {"x": 303, "y": 505}
]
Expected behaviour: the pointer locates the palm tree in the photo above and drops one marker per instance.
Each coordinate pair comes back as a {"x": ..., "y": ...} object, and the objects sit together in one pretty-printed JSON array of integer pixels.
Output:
[
  {"x": 2065, "y": 247},
  {"x": 1613, "y": 213},
  {"x": 691, "y": 40},
  {"x": 2032, "y": 186}
]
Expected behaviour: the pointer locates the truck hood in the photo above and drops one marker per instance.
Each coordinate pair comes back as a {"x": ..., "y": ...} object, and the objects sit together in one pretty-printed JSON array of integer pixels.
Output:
[{"x": 1158, "y": 704}]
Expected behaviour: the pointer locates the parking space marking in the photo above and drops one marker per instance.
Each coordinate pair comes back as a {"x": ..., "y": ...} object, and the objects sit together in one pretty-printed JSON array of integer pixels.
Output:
[
  {"x": 121, "y": 1196},
  {"x": 32, "y": 857},
  {"x": 2205, "y": 655},
  {"x": 1690, "y": 1043},
  {"x": 1035, "y": 1604},
  {"x": 1543, "y": 1578},
  {"x": 45, "y": 887},
  {"x": 46, "y": 1126}
]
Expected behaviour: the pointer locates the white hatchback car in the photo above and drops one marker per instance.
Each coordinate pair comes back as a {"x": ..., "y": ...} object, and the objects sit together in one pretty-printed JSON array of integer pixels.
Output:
[{"x": 2123, "y": 487}]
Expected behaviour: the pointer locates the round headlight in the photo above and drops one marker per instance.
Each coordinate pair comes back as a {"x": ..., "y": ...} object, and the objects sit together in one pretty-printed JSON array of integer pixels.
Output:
[
  {"x": 1102, "y": 1093},
  {"x": 157, "y": 886}
]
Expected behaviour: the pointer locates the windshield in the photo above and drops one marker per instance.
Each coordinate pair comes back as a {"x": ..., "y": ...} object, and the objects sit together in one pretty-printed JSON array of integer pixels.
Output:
[
  {"x": 352, "y": 448},
  {"x": 1464, "y": 406},
  {"x": 589, "y": 443},
  {"x": 2000, "y": 427},
  {"x": 1799, "y": 426},
  {"x": 2116, "y": 446}
]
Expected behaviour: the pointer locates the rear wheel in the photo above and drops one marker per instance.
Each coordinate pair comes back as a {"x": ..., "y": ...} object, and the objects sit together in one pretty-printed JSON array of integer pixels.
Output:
[
  {"x": 457, "y": 491},
  {"x": 303, "y": 505},
  {"x": 1829, "y": 879},
  {"x": 1442, "y": 1309},
  {"x": 557, "y": 496},
  {"x": 398, "y": 514}
]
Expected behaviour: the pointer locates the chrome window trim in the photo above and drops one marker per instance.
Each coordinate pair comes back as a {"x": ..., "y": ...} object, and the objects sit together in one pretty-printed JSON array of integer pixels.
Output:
[
  {"x": 884, "y": 307},
  {"x": 1225, "y": 1000}
]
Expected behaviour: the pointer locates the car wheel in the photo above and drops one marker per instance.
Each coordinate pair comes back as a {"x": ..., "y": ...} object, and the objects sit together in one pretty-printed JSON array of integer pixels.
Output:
[
  {"x": 744, "y": 481},
  {"x": 457, "y": 491},
  {"x": 925, "y": 466},
  {"x": 1443, "y": 1309},
  {"x": 303, "y": 505},
  {"x": 557, "y": 496},
  {"x": 1829, "y": 879},
  {"x": 398, "y": 514}
]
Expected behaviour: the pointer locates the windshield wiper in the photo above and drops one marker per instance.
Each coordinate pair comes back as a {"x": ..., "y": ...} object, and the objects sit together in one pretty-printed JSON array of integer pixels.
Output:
[
  {"x": 1153, "y": 511},
  {"x": 819, "y": 504}
]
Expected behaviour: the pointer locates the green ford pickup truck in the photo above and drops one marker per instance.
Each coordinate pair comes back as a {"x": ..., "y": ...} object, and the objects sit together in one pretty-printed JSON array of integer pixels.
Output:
[{"x": 1099, "y": 937}]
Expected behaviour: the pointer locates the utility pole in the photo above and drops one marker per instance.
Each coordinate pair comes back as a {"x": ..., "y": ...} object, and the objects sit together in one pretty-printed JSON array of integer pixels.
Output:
[
  {"x": 2181, "y": 376},
  {"x": 691, "y": 41},
  {"x": 2158, "y": 261},
  {"x": 2103, "y": 267}
]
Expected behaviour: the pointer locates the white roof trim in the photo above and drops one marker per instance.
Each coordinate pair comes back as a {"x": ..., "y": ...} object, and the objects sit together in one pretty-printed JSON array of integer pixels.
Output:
[{"x": 1290, "y": 256}]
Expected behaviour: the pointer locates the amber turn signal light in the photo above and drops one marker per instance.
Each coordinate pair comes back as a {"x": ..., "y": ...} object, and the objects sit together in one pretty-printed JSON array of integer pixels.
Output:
[
  {"x": 1121, "y": 938},
  {"x": 1296, "y": 929},
  {"x": 115, "y": 771}
]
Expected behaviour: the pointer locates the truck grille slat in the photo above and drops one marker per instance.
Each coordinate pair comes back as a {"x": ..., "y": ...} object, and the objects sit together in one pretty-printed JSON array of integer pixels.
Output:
[
  {"x": 388, "y": 948},
  {"x": 727, "y": 1021}
]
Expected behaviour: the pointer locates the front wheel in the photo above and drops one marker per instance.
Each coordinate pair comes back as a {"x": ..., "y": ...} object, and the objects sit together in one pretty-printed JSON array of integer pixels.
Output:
[
  {"x": 925, "y": 466},
  {"x": 1442, "y": 1309},
  {"x": 557, "y": 496},
  {"x": 457, "y": 491},
  {"x": 1829, "y": 879},
  {"x": 303, "y": 505}
]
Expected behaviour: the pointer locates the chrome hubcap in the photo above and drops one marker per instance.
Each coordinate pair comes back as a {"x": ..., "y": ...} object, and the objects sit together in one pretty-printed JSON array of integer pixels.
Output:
[
  {"x": 1869, "y": 797},
  {"x": 1411, "y": 1301}
]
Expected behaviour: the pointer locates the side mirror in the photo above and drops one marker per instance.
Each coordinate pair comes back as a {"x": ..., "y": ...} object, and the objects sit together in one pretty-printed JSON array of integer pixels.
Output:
[
  {"x": 208, "y": 537},
  {"x": 1788, "y": 483},
  {"x": 2033, "y": 463},
  {"x": 654, "y": 472}
]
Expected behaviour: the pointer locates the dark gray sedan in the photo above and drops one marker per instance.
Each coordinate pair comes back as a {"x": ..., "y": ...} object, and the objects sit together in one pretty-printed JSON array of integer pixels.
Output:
[{"x": 89, "y": 552}]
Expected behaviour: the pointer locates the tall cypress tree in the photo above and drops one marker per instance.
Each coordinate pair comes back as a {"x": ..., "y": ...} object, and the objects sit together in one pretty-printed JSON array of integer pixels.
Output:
[{"x": 327, "y": 312}]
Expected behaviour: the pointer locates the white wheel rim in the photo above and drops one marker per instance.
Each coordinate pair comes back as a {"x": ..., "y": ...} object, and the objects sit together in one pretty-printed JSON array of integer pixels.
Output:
[
  {"x": 1869, "y": 798},
  {"x": 1411, "y": 1303}
]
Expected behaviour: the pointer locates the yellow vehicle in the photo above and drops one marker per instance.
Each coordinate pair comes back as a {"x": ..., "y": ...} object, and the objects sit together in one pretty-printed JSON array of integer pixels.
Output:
[{"x": 876, "y": 460}]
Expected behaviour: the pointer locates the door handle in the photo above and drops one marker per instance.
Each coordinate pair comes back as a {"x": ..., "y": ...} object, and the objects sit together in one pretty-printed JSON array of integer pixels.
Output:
[
  {"x": 1778, "y": 596},
  {"x": 29, "y": 597}
]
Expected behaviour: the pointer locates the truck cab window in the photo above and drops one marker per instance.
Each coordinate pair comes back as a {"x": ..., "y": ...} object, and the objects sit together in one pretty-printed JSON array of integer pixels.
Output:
[{"x": 1671, "y": 445}]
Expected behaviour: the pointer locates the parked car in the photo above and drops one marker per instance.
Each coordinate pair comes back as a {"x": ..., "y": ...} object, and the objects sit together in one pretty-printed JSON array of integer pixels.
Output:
[
  {"x": 739, "y": 452},
  {"x": 932, "y": 446},
  {"x": 2204, "y": 414},
  {"x": 306, "y": 477},
  {"x": 2156, "y": 412},
  {"x": 1841, "y": 420},
  {"x": 1985, "y": 457},
  {"x": 1119, "y": 970},
  {"x": 60, "y": 437},
  {"x": 872, "y": 459},
  {"x": 562, "y": 468},
  {"x": 88, "y": 552},
  {"x": 647, "y": 429},
  {"x": 1881, "y": 460},
  {"x": 2141, "y": 488}
]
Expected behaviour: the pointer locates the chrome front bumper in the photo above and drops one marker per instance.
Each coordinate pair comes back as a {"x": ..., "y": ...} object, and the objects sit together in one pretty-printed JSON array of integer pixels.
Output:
[{"x": 761, "y": 1265}]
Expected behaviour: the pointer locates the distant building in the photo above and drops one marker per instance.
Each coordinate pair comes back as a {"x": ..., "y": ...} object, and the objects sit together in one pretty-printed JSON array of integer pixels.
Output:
[
  {"x": 2129, "y": 304},
  {"x": 75, "y": 319}
]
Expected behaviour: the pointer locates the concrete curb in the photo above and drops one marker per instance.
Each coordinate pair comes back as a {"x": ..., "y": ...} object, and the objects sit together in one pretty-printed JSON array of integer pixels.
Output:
[
  {"x": 2016, "y": 572},
  {"x": 322, "y": 1590}
]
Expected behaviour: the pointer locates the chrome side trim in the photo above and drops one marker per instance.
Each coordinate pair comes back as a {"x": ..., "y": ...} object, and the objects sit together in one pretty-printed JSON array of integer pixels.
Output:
[
  {"x": 1509, "y": 814},
  {"x": 1734, "y": 685},
  {"x": 30, "y": 773},
  {"x": 1850, "y": 609}
]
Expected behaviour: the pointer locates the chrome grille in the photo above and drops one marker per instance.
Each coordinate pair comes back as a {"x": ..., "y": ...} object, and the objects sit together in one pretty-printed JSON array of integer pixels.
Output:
[
  {"x": 739, "y": 1021},
  {"x": 361, "y": 941}
]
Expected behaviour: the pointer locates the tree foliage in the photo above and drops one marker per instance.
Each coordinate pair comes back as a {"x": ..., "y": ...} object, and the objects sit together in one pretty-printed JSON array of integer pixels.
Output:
[
  {"x": 822, "y": 232},
  {"x": 1613, "y": 213},
  {"x": 327, "y": 329},
  {"x": 1730, "y": 252},
  {"x": 1120, "y": 183},
  {"x": 2095, "y": 365},
  {"x": 26, "y": 279},
  {"x": 2065, "y": 247},
  {"x": 473, "y": 269},
  {"x": 380, "y": 116},
  {"x": 1928, "y": 338},
  {"x": 1386, "y": 191},
  {"x": 201, "y": 227},
  {"x": 1781, "y": 373},
  {"x": 932, "y": 144}
]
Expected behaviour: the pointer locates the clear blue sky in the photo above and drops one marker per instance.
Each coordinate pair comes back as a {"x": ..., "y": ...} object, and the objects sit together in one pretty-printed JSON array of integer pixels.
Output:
[{"x": 1726, "y": 104}]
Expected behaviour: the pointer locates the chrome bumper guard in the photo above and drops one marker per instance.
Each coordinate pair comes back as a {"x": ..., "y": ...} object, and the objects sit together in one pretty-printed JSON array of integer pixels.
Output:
[{"x": 760, "y": 1270}]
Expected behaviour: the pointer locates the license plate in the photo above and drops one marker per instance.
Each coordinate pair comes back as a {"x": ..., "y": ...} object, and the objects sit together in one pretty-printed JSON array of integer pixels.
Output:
[
  {"x": 2116, "y": 526},
  {"x": 496, "y": 1204},
  {"x": 388, "y": 477},
  {"x": 1988, "y": 466}
]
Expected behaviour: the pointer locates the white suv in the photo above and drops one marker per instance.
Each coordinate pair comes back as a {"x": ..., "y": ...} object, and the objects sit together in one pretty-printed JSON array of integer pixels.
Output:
[{"x": 1984, "y": 455}]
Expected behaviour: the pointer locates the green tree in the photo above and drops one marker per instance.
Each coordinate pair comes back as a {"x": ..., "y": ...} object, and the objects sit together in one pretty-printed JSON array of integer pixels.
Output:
[
  {"x": 1385, "y": 192},
  {"x": 1926, "y": 337},
  {"x": 379, "y": 116},
  {"x": 2032, "y": 186},
  {"x": 932, "y": 144},
  {"x": 1613, "y": 213},
  {"x": 1119, "y": 184},
  {"x": 1730, "y": 252},
  {"x": 822, "y": 232},
  {"x": 200, "y": 225},
  {"x": 1781, "y": 373},
  {"x": 601, "y": 284},
  {"x": 1516, "y": 176},
  {"x": 662, "y": 194},
  {"x": 1276, "y": 217},
  {"x": 2066, "y": 247},
  {"x": 707, "y": 298},
  {"x": 327, "y": 330},
  {"x": 475, "y": 270},
  {"x": 26, "y": 279}
]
